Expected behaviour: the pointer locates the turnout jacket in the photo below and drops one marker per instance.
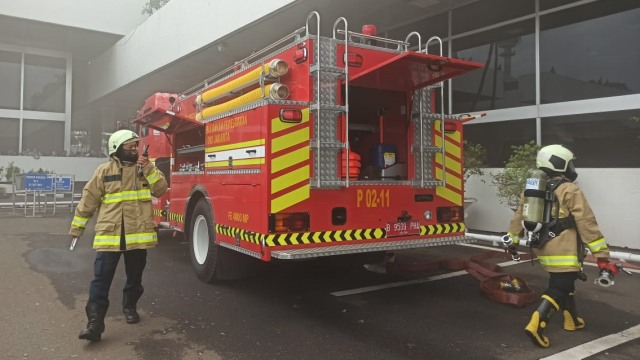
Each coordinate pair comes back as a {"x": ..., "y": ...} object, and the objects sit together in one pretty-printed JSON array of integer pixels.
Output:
[
  {"x": 561, "y": 253},
  {"x": 122, "y": 198}
]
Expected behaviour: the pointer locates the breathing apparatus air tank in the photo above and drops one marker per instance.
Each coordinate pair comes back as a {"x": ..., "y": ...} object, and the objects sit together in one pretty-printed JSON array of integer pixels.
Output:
[{"x": 533, "y": 209}]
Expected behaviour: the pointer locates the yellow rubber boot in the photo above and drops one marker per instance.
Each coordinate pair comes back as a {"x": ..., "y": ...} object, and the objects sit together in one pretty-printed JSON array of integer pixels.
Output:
[
  {"x": 540, "y": 319},
  {"x": 571, "y": 320}
]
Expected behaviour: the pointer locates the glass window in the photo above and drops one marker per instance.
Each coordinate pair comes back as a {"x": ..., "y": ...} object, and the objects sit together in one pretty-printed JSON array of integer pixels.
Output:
[
  {"x": 499, "y": 137},
  {"x": 10, "y": 80},
  {"x": 550, "y": 4},
  {"x": 44, "y": 83},
  {"x": 433, "y": 26},
  {"x": 508, "y": 76},
  {"x": 9, "y": 135},
  {"x": 489, "y": 12},
  {"x": 600, "y": 140},
  {"x": 43, "y": 137},
  {"x": 591, "y": 51}
]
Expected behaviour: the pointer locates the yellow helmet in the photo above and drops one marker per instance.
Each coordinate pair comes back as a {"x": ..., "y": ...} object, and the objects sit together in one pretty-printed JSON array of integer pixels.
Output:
[{"x": 120, "y": 137}]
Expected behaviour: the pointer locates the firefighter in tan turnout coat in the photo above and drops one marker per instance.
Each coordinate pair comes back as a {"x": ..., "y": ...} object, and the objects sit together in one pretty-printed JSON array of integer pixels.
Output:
[
  {"x": 562, "y": 254},
  {"x": 120, "y": 191}
]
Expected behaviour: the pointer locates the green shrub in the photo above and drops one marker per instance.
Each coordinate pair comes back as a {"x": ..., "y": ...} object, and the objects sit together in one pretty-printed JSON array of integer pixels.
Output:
[
  {"x": 11, "y": 171},
  {"x": 511, "y": 181},
  {"x": 475, "y": 158}
]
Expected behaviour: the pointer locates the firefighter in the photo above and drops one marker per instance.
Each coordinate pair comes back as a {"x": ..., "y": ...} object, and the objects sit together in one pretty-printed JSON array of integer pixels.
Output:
[
  {"x": 561, "y": 255},
  {"x": 121, "y": 189}
]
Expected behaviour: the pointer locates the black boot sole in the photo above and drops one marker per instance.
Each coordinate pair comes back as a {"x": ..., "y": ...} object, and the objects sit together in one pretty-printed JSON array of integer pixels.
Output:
[{"x": 90, "y": 336}]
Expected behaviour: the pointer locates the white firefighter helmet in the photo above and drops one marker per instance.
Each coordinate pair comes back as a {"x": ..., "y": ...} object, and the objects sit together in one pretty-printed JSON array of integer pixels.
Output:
[
  {"x": 120, "y": 137},
  {"x": 556, "y": 159}
]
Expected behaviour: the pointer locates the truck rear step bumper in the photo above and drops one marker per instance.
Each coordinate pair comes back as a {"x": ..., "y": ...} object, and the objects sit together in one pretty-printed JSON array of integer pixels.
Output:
[{"x": 291, "y": 254}]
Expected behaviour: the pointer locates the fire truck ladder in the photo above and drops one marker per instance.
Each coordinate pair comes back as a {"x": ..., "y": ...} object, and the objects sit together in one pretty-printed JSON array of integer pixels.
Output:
[
  {"x": 423, "y": 148},
  {"x": 326, "y": 110}
]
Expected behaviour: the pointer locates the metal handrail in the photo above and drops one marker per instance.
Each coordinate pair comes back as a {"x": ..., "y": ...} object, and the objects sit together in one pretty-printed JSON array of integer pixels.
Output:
[{"x": 345, "y": 59}]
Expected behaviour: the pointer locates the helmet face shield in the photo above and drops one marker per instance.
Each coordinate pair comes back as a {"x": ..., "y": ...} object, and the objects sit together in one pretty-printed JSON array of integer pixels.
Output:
[{"x": 571, "y": 173}]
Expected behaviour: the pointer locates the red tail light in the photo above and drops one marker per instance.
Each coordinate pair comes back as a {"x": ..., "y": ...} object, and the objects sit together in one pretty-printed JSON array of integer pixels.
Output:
[
  {"x": 450, "y": 214},
  {"x": 289, "y": 222},
  {"x": 450, "y": 127},
  {"x": 290, "y": 115}
]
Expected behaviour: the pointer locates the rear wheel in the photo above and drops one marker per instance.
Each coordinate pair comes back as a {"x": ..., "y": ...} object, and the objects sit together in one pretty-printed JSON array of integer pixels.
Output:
[{"x": 204, "y": 250}]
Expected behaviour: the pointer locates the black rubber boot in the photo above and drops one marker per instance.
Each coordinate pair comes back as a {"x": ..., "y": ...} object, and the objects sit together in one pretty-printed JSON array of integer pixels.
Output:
[
  {"x": 129, "y": 309},
  {"x": 571, "y": 320},
  {"x": 540, "y": 319},
  {"x": 95, "y": 324}
]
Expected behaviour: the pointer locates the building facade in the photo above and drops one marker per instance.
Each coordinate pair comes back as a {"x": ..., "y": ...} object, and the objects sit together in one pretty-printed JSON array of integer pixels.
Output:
[{"x": 556, "y": 71}]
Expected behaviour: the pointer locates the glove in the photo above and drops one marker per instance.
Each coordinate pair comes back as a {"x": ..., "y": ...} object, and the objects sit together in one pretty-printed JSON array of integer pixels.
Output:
[{"x": 605, "y": 265}]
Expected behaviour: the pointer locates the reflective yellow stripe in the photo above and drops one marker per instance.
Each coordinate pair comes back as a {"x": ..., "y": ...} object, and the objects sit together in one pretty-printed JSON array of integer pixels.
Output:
[
  {"x": 130, "y": 195},
  {"x": 114, "y": 240},
  {"x": 153, "y": 177},
  {"x": 289, "y": 179},
  {"x": 559, "y": 260},
  {"x": 289, "y": 159},
  {"x": 553, "y": 302},
  {"x": 450, "y": 147},
  {"x": 597, "y": 245},
  {"x": 289, "y": 199},
  {"x": 79, "y": 221},
  {"x": 290, "y": 139}
]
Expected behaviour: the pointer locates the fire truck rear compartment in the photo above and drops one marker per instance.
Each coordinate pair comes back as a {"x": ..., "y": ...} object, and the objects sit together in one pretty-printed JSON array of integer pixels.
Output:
[{"x": 378, "y": 133}]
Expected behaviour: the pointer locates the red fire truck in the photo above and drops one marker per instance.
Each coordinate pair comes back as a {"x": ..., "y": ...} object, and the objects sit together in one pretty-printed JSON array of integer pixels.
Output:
[
  {"x": 158, "y": 145},
  {"x": 314, "y": 146}
]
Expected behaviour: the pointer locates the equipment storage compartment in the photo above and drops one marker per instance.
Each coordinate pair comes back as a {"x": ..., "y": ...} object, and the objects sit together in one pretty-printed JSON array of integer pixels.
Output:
[
  {"x": 189, "y": 147},
  {"x": 378, "y": 131}
]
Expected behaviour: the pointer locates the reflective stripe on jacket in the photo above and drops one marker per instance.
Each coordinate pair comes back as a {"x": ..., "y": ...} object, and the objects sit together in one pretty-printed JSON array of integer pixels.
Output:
[
  {"x": 121, "y": 197},
  {"x": 560, "y": 254}
]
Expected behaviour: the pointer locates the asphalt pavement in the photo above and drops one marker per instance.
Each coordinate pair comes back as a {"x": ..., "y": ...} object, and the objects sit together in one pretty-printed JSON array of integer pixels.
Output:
[{"x": 318, "y": 309}]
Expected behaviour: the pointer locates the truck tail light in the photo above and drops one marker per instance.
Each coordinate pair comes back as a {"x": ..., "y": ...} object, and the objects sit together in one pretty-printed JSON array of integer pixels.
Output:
[
  {"x": 450, "y": 214},
  {"x": 450, "y": 127},
  {"x": 289, "y": 222},
  {"x": 291, "y": 115},
  {"x": 354, "y": 60}
]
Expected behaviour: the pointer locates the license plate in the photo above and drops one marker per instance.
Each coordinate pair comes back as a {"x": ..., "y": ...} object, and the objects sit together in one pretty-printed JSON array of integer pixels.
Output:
[{"x": 401, "y": 228}]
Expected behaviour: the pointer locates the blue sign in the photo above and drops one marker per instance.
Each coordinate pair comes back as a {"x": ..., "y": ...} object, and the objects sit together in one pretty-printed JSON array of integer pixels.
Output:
[
  {"x": 38, "y": 182},
  {"x": 63, "y": 183}
]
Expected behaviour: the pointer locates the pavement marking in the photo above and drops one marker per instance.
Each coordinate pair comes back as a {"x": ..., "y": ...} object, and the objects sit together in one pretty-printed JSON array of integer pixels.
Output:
[
  {"x": 411, "y": 282},
  {"x": 598, "y": 345},
  {"x": 439, "y": 277}
]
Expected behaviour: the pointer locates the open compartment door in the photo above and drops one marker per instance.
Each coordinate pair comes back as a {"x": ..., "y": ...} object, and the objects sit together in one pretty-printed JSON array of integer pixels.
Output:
[
  {"x": 167, "y": 121},
  {"x": 158, "y": 113},
  {"x": 410, "y": 71}
]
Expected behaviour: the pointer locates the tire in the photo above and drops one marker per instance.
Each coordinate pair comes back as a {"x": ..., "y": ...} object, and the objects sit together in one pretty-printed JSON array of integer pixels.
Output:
[{"x": 202, "y": 241}]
